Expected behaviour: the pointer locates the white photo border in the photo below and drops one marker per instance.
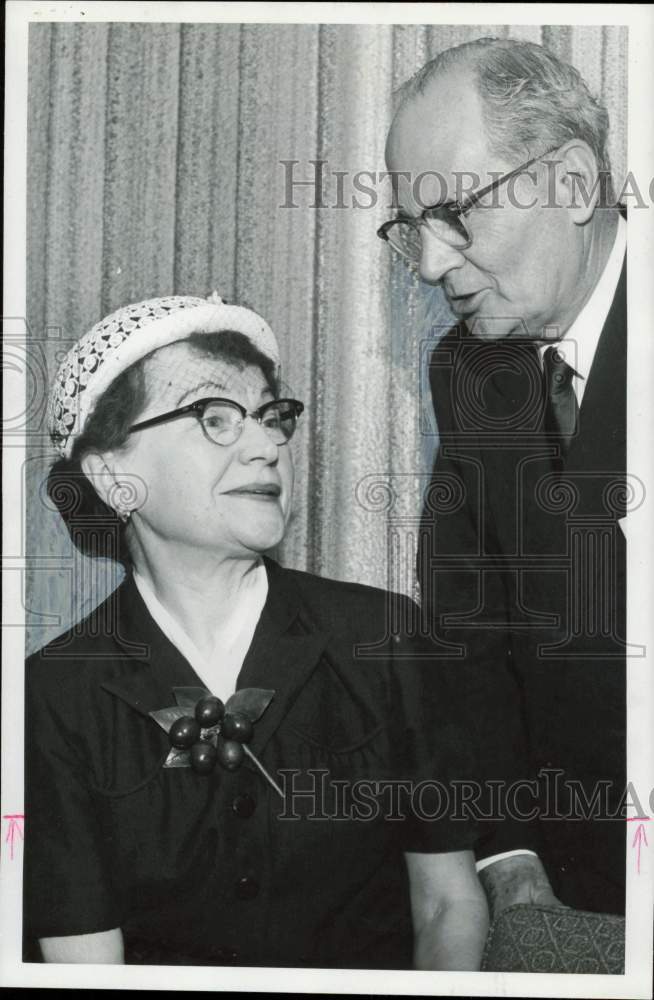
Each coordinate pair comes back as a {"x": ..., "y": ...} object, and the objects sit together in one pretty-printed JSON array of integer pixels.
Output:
[{"x": 637, "y": 981}]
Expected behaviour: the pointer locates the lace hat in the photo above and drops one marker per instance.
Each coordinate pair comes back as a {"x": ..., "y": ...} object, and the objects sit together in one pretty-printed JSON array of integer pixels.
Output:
[{"x": 125, "y": 337}]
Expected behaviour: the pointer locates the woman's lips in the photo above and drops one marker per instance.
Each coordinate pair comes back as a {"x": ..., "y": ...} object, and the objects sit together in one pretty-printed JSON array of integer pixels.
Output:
[{"x": 256, "y": 491}]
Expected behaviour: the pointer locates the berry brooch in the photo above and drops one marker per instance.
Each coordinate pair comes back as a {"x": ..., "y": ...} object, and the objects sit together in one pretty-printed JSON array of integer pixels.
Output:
[{"x": 204, "y": 732}]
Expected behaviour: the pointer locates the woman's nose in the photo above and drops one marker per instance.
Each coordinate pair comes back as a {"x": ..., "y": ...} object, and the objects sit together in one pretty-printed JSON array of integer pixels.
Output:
[
  {"x": 437, "y": 257},
  {"x": 256, "y": 443}
]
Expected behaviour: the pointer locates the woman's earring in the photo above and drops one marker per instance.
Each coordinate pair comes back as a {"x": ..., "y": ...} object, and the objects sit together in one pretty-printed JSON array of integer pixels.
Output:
[{"x": 121, "y": 495}]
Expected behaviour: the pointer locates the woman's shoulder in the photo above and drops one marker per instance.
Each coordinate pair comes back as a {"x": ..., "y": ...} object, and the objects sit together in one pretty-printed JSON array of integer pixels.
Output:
[
  {"x": 340, "y": 589},
  {"x": 359, "y": 602},
  {"x": 92, "y": 640}
]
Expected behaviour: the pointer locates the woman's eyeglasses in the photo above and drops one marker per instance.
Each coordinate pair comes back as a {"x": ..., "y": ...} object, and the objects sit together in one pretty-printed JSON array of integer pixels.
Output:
[
  {"x": 447, "y": 220},
  {"x": 222, "y": 420}
]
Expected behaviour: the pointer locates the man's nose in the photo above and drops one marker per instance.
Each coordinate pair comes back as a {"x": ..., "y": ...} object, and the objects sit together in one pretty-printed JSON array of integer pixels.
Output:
[{"x": 437, "y": 257}]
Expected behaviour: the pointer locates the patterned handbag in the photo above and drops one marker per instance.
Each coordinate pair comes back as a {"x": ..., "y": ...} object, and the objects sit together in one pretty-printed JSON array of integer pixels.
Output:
[{"x": 527, "y": 938}]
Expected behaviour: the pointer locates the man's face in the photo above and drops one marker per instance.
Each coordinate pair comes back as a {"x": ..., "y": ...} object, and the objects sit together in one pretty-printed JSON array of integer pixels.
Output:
[{"x": 522, "y": 271}]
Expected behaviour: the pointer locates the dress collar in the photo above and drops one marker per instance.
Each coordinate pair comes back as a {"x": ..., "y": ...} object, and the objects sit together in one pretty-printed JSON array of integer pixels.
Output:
[
  {"x": 285, "y": 649},
  {"x": 233, "y": 640}
]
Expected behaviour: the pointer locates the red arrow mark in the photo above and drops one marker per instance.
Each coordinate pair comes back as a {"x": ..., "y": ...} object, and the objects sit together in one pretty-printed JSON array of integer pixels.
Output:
[
  {"x": 640, "y": 839},
  {"x": 14, "y": 830}
]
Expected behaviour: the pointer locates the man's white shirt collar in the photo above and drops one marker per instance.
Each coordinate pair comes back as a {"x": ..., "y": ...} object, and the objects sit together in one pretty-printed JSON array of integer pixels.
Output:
[{"x": 580, "y": 341}]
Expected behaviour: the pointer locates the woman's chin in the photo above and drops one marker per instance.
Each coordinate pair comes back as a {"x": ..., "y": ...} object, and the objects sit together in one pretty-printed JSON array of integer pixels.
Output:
[{"x": 262, "y": 539}]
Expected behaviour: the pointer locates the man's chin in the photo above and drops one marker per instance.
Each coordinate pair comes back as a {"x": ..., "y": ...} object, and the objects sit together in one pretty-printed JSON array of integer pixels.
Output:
[{"x": 498, "y": 328}]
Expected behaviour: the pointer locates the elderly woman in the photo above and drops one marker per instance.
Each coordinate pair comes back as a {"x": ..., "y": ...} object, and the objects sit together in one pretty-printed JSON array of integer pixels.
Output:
[{"x": 221, "y": 759}]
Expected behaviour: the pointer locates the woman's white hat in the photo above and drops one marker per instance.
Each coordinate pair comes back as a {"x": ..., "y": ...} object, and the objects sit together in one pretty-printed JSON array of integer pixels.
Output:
[{"x": 128, "y": 335}]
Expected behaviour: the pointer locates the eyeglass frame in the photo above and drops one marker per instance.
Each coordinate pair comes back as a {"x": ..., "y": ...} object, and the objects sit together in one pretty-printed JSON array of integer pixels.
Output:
[
  {"x": 456, "y": 207},
  {"x": 198, "y": 408}
]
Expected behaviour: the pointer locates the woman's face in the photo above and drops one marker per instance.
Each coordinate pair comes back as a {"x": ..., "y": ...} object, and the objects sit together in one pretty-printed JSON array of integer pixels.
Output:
[{"x": 197, "y": 493}]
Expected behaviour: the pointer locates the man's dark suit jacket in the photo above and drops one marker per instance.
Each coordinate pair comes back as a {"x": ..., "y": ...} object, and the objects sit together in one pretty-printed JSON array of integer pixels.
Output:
[{"x": 522, "y": 570}]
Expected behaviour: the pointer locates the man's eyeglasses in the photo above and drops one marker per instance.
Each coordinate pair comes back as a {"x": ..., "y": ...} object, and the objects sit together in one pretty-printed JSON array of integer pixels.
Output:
[
  {"x": 446, "y": 220},
  {"x": 222, "y": 420}
]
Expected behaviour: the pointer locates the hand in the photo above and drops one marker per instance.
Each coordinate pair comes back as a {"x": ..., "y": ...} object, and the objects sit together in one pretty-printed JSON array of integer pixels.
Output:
[
  {"x": 449, "y": 911},
  {"x": 520, "y": 879}
]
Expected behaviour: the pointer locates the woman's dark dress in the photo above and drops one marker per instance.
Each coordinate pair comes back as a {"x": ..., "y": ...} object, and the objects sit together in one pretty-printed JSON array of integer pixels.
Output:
[{"x": 219, "y": 870}]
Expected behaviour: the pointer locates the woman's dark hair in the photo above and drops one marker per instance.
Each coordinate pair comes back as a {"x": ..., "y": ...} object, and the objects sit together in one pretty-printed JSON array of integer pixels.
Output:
[{"x": 93, "y": 525}]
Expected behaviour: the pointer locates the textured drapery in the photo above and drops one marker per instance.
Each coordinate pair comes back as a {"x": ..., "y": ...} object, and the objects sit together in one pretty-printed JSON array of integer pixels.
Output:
[{"x": 160, "y": 159}]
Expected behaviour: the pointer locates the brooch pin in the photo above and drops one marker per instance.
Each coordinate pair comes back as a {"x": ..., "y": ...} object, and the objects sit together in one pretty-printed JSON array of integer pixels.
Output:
[{"x": 204, "y": 732}]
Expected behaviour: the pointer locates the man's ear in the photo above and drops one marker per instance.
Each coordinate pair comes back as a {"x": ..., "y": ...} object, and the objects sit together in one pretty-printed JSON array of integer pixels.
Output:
[
  {"x": 579, "y": 183},
  {"x": 96, "y": 468}
]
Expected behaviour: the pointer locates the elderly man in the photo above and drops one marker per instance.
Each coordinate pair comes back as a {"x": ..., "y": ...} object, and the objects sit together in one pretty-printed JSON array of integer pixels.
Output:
[{"x": 505, "y": 201}]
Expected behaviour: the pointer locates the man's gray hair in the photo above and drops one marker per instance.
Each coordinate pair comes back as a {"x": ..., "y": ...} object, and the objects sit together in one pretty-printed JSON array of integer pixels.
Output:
[{"x": 532, "y": 100}]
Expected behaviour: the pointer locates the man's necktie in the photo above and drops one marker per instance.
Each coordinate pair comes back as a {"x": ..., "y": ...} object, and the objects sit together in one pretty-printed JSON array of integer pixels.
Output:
[{"x": 561, "y": 407}]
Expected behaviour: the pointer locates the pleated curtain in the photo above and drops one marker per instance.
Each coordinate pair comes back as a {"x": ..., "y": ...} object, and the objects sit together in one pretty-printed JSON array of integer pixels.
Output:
[{"x": 165, "y": 158}]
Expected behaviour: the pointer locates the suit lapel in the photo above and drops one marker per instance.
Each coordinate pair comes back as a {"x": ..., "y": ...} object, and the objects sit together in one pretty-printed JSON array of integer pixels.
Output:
[
  {"x": 514, "y": 454},
  {"x": 600, "y": 445}
]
